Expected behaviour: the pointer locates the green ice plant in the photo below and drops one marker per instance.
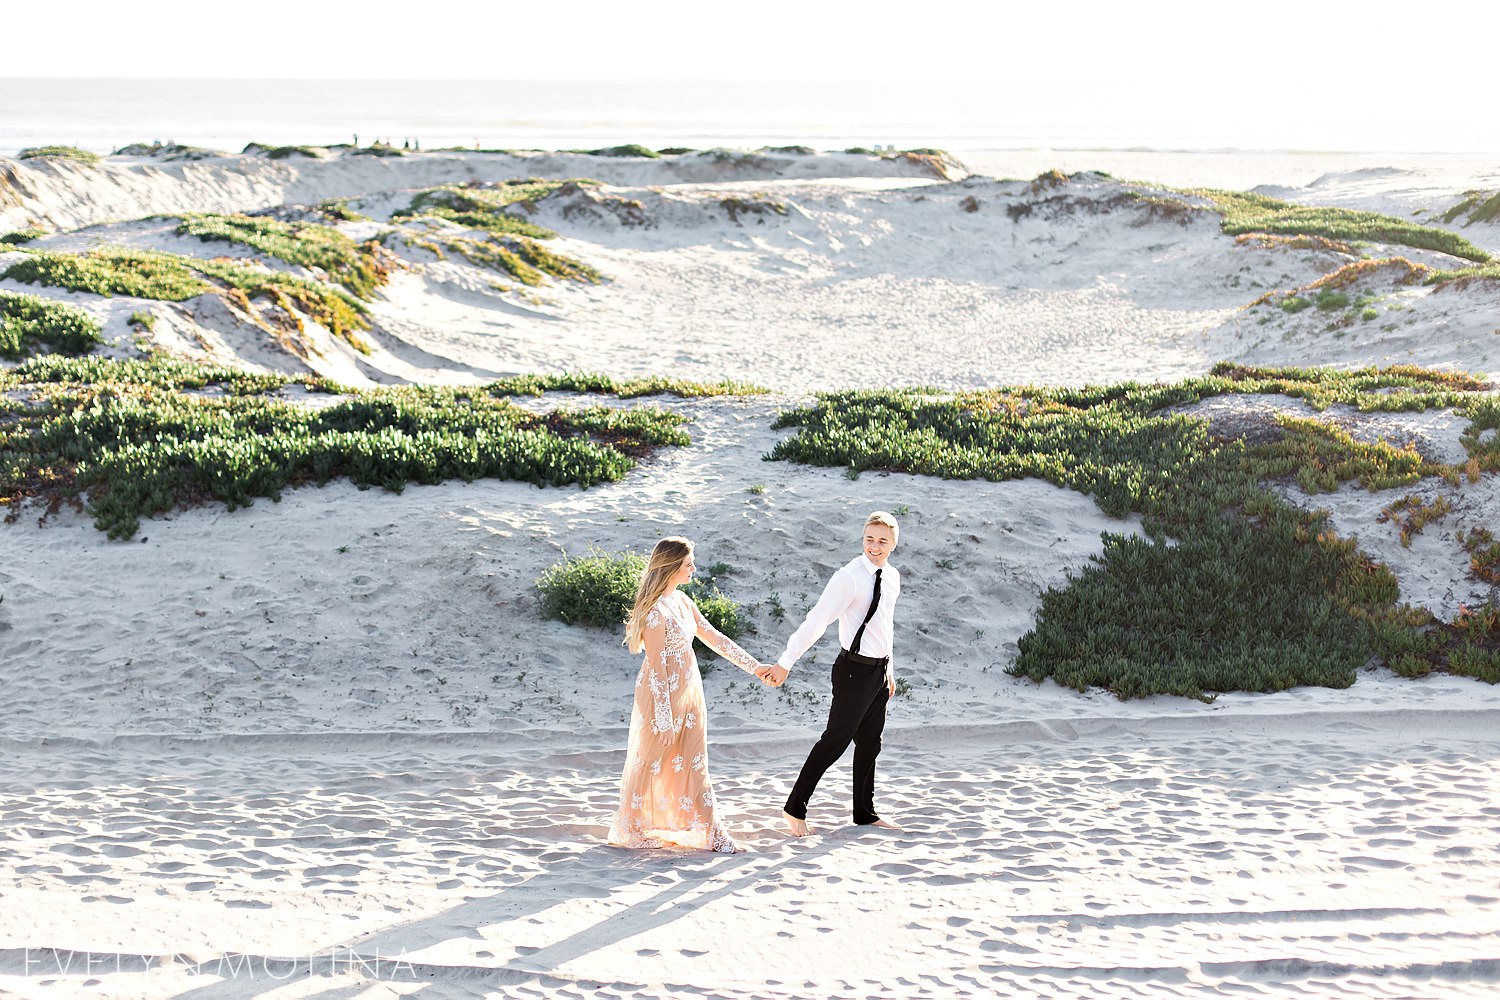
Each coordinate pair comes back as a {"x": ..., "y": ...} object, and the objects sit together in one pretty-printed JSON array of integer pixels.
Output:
[
  {"x": 131, "y": 439},
  {"x": 1184, "y": 609},
  {"x": 598, "y": 589},
  {"x": 30, "y": 323}
]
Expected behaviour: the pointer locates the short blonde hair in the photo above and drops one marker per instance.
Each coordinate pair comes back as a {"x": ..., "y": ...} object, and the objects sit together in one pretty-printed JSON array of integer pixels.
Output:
[{"x": 882, "y": 517}]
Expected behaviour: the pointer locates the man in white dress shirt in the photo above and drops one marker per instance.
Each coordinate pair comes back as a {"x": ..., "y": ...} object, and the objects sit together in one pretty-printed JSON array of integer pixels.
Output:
[{"x": 861, "y": 597}]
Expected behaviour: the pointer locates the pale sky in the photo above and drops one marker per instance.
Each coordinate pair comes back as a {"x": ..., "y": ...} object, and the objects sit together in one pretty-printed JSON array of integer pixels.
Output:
[
  {"x": 1278, "y": 45},
  {"x": 1326, "y": 67}
]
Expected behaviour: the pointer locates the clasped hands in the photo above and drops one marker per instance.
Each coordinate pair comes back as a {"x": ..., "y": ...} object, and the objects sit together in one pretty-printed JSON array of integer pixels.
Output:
[{"x": 771, "y": 674}]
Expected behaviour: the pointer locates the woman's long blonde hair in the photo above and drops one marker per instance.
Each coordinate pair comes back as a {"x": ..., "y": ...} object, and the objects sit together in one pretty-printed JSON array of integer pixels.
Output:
[{"x": 666, "y": 559}]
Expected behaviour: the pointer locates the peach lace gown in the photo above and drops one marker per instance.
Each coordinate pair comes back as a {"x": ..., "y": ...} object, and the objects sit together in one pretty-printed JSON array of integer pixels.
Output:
[{"x": 666, "y": 798}]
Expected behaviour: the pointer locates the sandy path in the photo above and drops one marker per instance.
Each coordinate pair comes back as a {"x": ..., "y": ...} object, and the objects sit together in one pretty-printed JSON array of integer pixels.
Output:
[
  {"x": 328, "y": 747},
  {"x": 1307, "y": 853}
]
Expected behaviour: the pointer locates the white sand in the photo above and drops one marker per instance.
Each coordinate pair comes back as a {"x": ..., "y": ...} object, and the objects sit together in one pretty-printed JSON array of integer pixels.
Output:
[{"x": 329, "y": 748}]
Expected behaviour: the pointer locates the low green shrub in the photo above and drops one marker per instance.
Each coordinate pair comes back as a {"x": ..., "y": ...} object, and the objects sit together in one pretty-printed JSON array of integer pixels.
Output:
[
  {"x": 169, "y": 151},
  {"x": 142, "y": 274},
  {"x": 1479, "y": 206},
  {"x": 1328, "y": 300},
  {"x": 337, "y": 310},
  {"x": 19, "y": 236},
  {"x": 173, "y": 278},
  {"x": 338, "y": 210},
  {"x": 1321, "y": 457},
  {"x": 72, "y": 153},
  {"x": 1411, "y": 514},
  {"x": 133, "y": 449},
  {"x": 1461, "y": 276},
  {"x": 287, "y": 152},
  {"x": 759, "y": 206},
  {"x": 1191, "y": 619},
  {"x": 629, "y": 149},
  {"x": 594, "y": 382},
  {"x": 160, "y": 371},
  {"x": 1184, "y": 610},
  {"x": 598, "y": 590},
  {"x": 378, "y": 149},
  {"x": 512, "y": 247},
  {"x": 1484, "y": 554},
  {"x": 1246, "y": 212},
  {"x": 31, "y": 323},
  {"x": 143, "y": 319},
  {"x": 304, "y": 244}
]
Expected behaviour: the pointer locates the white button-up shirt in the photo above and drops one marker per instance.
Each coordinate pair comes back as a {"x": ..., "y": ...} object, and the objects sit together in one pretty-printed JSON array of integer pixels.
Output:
[{"x": 847, "y": 599}]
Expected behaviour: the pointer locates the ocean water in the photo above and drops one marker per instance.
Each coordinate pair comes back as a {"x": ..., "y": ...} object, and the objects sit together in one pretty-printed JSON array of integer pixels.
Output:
[{"x": 104, "y": 114}]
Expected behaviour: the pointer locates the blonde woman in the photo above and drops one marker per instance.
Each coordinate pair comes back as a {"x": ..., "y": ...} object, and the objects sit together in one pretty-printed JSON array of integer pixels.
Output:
[{"x": 666, "y": 798}]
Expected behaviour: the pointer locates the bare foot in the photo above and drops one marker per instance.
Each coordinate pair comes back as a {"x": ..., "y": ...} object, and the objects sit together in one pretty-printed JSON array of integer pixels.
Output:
[
  {"x": 798, "y": 827},
  {"x": 885, "y": 824}
]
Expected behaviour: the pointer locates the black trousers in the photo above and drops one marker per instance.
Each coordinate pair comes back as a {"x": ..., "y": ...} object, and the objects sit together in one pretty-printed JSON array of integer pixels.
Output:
[{"x": 856, "y": 716}]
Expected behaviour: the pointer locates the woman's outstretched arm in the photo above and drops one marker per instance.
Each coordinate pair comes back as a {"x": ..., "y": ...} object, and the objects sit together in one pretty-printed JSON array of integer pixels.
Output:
[{"x": 722, "y": 644}]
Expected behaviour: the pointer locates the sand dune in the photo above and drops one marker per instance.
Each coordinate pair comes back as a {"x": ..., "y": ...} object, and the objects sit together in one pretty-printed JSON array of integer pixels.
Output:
[
  {"x": 967, "y": 283},
  {"x": 63, "y": 195},
  {"x": 329, "y": 747}
]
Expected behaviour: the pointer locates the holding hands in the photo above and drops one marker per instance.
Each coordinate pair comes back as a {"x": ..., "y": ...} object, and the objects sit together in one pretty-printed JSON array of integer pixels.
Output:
[{"x": 771, "y": 674}]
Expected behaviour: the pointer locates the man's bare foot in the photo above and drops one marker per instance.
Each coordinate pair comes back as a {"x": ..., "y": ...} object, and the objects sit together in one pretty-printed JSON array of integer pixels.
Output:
[
  {"x": 885, "y": 824},
  {"x": 798, "y": 827}
]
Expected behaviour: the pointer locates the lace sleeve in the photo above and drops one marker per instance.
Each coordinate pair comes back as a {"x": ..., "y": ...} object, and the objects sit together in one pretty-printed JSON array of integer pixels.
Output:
[
  {"x": 721, "y": 643},
  {"x": 654, "y": 691}
]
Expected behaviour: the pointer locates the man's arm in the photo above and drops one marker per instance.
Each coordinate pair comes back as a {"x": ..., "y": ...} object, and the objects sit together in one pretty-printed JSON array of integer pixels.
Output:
[{"x": 836, "y": 596}]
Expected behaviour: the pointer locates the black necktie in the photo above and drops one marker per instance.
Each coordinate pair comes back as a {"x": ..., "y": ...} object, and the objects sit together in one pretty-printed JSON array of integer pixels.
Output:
[{"x": 874, "y": 603}]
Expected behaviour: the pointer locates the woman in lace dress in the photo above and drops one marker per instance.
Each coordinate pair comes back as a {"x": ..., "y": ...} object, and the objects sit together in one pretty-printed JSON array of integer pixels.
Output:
[{"x": 666, "y": 798}]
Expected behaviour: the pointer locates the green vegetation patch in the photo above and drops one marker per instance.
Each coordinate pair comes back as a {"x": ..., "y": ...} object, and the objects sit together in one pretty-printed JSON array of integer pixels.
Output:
[
  {"x": 525, "y": 260},
  {"x": 143, "y": 274},
  {"x": 283, "y": 152},
  {"x": 1484, "y": 554},
  {"x": 1245, "y": 212},
  {"x": 1417, "y": 644},
  {"x": 1268, "y": 241},
  {"x": 18, "y": 236},
  {"x": 593, "y": 382},
  {"x": 629, "y": 149},
  {"x": 1411, "y": 514},
  {"x": 175, "y": 278},
  {"x": 1184, "y": 610},
  {"x": 1399, "y": 271},
  {"x": 337, "y": 310},
  {"x": 169, "y": 151},
  {"x": 338, "y": 210},
  {"x": 356, "y": 267},
  {"x": 598, "y": 590},
  {"x": 1479, "y": 206},
  {"x": 760, "y": 207},
  {"x": 1460, "y": 276},
  {"x": 130, "y": 441},
  {"x": 512, "y": 247},
  {"x": 72, "y": 153},
  {"x": 31, "y": 323}
]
